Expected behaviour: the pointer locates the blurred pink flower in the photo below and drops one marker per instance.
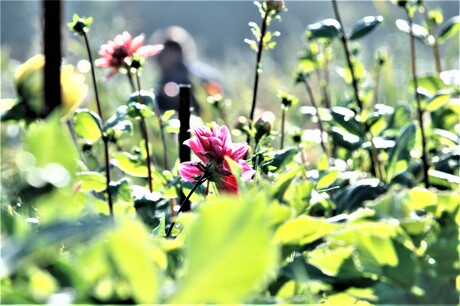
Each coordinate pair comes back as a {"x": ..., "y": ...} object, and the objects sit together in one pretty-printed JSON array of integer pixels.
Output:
[
  {"x": 211, "y": 147},
  {"x": 114, "y": 53}
]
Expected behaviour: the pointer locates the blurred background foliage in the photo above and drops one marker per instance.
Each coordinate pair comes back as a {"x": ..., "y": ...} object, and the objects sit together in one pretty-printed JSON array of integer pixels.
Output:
[{"x": 305, "y": 231}]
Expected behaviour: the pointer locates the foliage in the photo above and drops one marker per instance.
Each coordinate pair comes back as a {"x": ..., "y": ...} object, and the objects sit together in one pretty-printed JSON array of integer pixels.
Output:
[{"x": 339, "y": 216}]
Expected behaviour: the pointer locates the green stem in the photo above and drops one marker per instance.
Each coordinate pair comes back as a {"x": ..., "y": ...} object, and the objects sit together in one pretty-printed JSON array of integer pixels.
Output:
[
  {"x": 131, "y": 82},
  {"x": 425, "y": 163},
  {"x": 344, "y": 40},
  {"x": 105, "y": 138},
  {"x": 145, "y": 135},
  {"x": 161, "y": 125},
  {"x": 197, "y": 184},
  {"x": 258, "y": 70},
  {"x": 283, "y": 122},
  {"x": 320, "y": 123}
]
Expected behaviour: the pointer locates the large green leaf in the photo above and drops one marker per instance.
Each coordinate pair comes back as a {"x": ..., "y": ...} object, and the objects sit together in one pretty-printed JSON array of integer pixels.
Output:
[
  {"x": 329, "y": 261},
  {"x": 88, "y": 125},
  {"x": 303, "y": 230},
  {"x": 328, "y": 29},
  {"x": 92, "y": 181},
  {"x": 228, "y": 250},
  {"x": 364, "y": 26},
  {"x": 401, "y": 150},
  {"x": 136, "y": 259},
  {"x": 131, "y": 164},
  {"x": 448, "y": 29}
]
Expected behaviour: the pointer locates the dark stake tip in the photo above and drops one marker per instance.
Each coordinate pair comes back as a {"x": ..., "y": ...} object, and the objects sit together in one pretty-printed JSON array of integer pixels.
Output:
[
  {"x": 52, "y": 51},
  {"x": 185, "y": 93}
]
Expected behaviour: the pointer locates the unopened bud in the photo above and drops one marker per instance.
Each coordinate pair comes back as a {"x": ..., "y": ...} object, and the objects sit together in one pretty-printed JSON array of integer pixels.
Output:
[
  {"x": 264, "y": 124},
  {"x": 241, "y": 124},
  {"x": 287, "y": 100},
  {"x": 275, "y": 5}
]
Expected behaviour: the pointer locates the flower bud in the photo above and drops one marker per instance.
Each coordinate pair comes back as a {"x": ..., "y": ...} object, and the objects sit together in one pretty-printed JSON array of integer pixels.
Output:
[
  {"x": 264, "y": 125},
  {"x": 241, "y": 124},
  {"x": 275, "y": 5},
  {"x": 287, "y": 100},
  {"x": 297, "y": 137},
  {"x": 381, "y": 57},
  {"x": 80, "y": 25}
]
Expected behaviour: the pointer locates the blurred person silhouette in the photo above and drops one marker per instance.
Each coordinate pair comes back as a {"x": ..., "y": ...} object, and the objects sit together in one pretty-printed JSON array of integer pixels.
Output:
[{"x": 179, "y": 65}]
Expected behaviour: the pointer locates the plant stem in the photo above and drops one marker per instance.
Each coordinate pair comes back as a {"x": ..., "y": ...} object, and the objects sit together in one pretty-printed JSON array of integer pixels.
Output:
[
  {"x": 258, "y": 70},
  {"x": 325, "y": 80},
  {"x": 435, "y": 46},
  {"x": 376, "y": 85},
  {"x": 131, "y": 82},
  {"x": 197, "y": 184},
  {"x": 283, "y": 122},
  {"x": 344, "y": 40},
  {"x": 105, "y": 138},
  {"x": 320, "y": 124},
  {"x": 425, "y": 163},
  {"x": 160, "y": 123},
  {"x": 145, "y": 135},
  {"x": 375, "y": 158}
]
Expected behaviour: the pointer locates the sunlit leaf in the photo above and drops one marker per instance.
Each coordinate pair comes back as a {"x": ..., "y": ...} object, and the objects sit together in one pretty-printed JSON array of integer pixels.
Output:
[
  {"x": 418, "y": 31},
  {"x": 131, "y": 164},
  {"x": 91, "y": 181},
  {"x": 329, "y": 261},
  {"x": 88, "y": 125},
  {"x": 302, "y": 230},
  {"x": 136, "y": 260},
  {"x": 440, "y": 99},
  {"x": 364, "y": 26},
  {"x": 228, "y": 252},
  {"x": 403, "y": 146},
  {"x": 448, "y": 29},
  {"x": 328, "y": 29}
]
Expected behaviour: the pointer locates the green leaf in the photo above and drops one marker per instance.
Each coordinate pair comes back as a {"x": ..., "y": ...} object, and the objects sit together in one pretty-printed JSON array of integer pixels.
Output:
[
  {"x": 328, "y": 29},
  {"x": 347, "y": 119},
  {"x": 354, "y": 196},
  {"x": 148, "y": 98},
  {"x": 327, "y": 179},
  {"x": 329, "y": 261},
  {"x": 364, "y": 26},
  {"x": 418, "y": 31},
  {"x": 229, "y": 252},
  {"x": 92, "y": 181},
  {"x": 440, "y": 99},
  {"x": 160, "y": 229},
  {"x": 401, "y": 150},
  {"x": 431, "y": 83},
  {"x": 448, "y": 29},
  {"x": 88, "y": 125},
  {"x": 303, "y": 230},
  {"x": 345, "y": 139},
  {"x": 137, "y": 110},
  {"x": 131, "y": 164},
  {"x": 373, "y": 242},
  {"x": 280, "y": 159},
  {"x": 121, "y": 191},
  {"x": 50, "y": 143},
  {"x": 136, "y": 259}
]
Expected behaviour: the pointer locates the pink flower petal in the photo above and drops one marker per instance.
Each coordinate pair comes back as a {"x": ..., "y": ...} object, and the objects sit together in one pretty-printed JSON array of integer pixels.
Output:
[
  {"x": 189, "y": 172},
  {"x": 237, "y": 151},
  {"x": 136, "y": 43},
  {"x": 247, "y": 172},
  {"x": 229, "y": 184},
  {"x": 149, "y": 50}
]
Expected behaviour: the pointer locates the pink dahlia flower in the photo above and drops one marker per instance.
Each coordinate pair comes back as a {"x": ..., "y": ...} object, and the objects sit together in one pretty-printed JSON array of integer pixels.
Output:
[
  {"x": 211, "y": 147},
  {"x": 114, "y": 53}
]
